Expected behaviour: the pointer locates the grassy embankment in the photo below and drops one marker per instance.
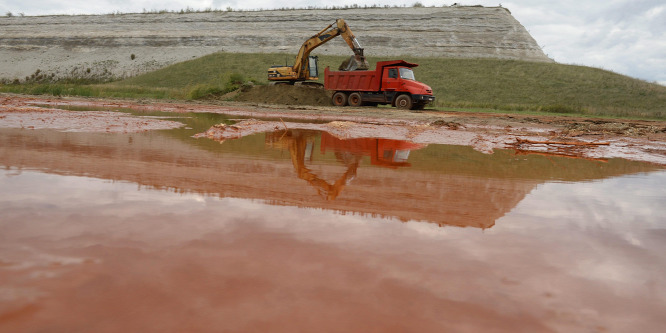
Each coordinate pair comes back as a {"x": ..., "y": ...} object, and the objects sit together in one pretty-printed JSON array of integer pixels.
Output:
[{"x": 470, "y": 84}]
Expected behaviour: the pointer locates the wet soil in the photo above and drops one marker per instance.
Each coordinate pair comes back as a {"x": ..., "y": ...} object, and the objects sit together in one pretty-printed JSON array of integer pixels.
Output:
[
  {"x": 640, "y": 140},
  {"x": 25, "y": 116}
]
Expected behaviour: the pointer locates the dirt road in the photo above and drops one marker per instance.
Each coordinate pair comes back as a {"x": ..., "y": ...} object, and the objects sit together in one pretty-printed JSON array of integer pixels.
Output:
[{"x": 570, "y": 136}]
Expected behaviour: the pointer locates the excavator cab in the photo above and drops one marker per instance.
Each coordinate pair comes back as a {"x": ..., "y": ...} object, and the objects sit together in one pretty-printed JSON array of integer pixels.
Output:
[{"x": 313, "y": 67}]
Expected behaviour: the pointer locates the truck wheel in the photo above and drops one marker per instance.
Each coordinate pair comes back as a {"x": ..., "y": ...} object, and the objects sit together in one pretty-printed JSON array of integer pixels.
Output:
[
  {"x": 355, "y": 99},
  {"x": 339, "y": 99},
  {"x": 403, "y": 102}
]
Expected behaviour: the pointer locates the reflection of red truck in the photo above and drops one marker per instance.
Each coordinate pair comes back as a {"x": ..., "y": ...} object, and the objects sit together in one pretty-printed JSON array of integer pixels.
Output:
[
  {"x": 392, "y": 82},
  {"x": 383, "y": 152}
]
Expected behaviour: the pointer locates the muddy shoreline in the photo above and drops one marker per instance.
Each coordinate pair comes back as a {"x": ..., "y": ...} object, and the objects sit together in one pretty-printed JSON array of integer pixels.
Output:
[{"x": 640, "y": 140}]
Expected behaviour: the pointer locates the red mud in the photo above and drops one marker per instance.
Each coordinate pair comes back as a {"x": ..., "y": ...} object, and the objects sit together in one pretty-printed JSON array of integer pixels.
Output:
[
  {"x": 18, "y": 114},
  {"x": 635, "y": 140}
]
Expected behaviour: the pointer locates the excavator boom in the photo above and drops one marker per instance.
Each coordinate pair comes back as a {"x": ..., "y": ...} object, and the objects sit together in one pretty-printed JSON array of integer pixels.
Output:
[{"x": 301, "y": 70}]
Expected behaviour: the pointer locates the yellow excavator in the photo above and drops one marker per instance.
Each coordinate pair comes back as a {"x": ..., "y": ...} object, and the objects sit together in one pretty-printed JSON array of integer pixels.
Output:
[{"x": 305, "y": 67}]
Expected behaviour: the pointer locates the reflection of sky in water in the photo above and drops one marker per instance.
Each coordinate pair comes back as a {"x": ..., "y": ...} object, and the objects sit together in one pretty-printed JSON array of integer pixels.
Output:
[
  {"x": 627, "y": 206},
  {"x": 590, "y": 252}
]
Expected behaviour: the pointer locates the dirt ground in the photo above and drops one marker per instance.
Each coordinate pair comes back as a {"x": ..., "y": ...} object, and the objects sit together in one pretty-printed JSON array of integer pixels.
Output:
[
  {"x": 557, "y": 135},
  {"x": 31, "y": 117},
  {"x": 286, "y": 95}
]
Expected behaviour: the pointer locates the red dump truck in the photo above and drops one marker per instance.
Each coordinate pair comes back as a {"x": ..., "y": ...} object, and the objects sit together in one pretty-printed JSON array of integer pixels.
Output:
[{"x": 392, "y": 82}]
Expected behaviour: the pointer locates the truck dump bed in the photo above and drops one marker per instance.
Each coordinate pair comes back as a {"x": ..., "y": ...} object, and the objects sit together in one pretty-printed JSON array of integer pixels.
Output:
[
  {"x": 352, "y": 80},
  {"x": 359, "y": 80}
]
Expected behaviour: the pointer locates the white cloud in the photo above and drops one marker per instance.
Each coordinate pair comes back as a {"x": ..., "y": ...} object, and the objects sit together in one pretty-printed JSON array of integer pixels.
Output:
[{"x": 627, "y": 37}]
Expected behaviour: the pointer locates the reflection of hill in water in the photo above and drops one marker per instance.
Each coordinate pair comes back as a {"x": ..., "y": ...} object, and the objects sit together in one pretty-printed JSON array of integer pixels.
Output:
[{"x": 448, "y": 185}]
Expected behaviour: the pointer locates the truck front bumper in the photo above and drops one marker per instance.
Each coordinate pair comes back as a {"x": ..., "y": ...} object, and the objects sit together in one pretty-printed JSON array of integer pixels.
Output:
[{"x": 424, "y": 99}]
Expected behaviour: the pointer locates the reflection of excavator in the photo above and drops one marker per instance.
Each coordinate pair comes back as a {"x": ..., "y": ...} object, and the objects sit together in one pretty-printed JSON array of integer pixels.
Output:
[
  {"x": 301, "y": 144},
  {"x": 305, "y": 66},
  {"x": 382, "y": 152}
]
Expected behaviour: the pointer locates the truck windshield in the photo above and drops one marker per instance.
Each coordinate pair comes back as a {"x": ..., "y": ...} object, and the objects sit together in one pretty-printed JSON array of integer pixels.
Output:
[{"x": 407, "y": 74}]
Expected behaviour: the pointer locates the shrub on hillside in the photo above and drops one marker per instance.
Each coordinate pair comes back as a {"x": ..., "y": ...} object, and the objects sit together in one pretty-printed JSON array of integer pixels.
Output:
[
  {"x": 231, "y": 82},
  {"x": 203, "y": 90}
]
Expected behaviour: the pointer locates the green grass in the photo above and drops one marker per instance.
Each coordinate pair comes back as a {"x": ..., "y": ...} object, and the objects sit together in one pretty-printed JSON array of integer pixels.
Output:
[
  {"x": 213, "y": 69},
  {"x": 518, "y": 85},
  {"x": 468, "y": 84},
  {"x": 93, "y": 90}
]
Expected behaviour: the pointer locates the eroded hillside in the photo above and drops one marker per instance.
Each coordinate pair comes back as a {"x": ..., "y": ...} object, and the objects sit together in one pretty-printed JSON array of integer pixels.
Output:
[{"x": 129, "y": 44}]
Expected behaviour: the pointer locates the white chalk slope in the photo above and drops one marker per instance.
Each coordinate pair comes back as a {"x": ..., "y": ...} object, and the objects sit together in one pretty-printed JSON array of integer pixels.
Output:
[{"x": 104, "y": 44}]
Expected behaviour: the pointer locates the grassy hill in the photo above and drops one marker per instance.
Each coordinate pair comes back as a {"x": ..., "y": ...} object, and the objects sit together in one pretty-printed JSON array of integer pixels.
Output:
[{"x": 507, "y": 85}]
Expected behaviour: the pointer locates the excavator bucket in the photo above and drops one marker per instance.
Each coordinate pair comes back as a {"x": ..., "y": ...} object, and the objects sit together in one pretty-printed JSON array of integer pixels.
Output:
[{"x": 354, "y": 63}]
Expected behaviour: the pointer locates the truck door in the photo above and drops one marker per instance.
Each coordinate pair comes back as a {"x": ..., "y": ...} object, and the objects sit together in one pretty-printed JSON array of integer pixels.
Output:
[{"x": 391, "y": 80}]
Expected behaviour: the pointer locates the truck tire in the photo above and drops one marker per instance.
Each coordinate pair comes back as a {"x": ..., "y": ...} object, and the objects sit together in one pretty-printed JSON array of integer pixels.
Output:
[
  {"x": 355, "y": 99},
  {"x": 403, "y": 102},
  {"x": 339, "y": 99}
]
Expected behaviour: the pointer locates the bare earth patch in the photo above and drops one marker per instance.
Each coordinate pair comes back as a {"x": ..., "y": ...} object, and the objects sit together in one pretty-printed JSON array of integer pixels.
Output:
[{"x": 556, "y": 135}]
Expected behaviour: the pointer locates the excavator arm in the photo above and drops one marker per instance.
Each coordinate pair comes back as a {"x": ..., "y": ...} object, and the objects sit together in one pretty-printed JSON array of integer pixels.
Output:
[
  {"x": 300, "y": 65},
  {"x": 357, "y": 61},
  {"x": 299, "y": 71}
]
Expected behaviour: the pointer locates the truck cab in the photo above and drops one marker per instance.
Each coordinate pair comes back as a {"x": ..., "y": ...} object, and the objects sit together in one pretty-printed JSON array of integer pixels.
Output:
[{"x": 401, "y": 79}]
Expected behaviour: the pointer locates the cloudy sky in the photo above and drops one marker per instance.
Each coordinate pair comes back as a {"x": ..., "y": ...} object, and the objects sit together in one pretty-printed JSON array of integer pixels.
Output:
[{"x": 625, "y": 36}]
